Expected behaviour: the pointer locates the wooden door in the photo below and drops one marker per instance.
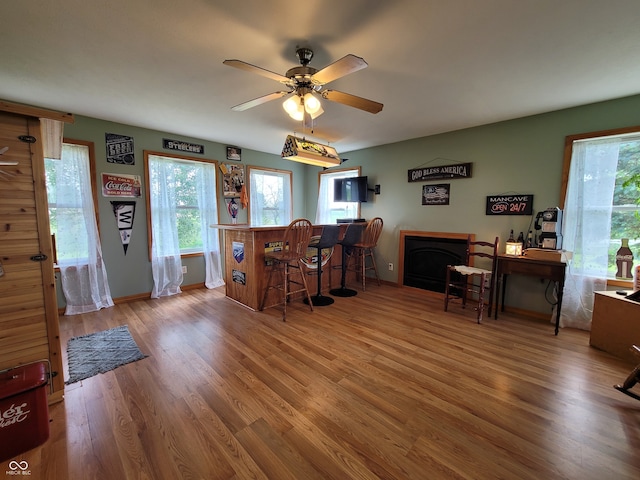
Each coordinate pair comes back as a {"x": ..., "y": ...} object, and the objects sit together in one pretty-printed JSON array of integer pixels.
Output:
[{"x": 29, "y": 328}]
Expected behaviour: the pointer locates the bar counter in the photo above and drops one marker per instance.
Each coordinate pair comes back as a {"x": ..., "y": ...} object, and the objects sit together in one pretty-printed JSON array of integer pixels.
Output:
[{"x": 246, "y": 271}]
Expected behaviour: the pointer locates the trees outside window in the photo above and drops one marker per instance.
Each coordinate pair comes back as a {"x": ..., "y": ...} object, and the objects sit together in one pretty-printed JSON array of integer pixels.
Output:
[{"x": 270, "y": 196}]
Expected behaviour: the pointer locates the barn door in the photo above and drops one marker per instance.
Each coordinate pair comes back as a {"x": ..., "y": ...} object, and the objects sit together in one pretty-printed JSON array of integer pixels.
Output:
[{"x": 29, "y": 328}]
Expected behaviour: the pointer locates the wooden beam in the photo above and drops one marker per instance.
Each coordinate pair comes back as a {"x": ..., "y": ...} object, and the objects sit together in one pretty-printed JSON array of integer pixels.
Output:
[{"x": 35, "y": 112}]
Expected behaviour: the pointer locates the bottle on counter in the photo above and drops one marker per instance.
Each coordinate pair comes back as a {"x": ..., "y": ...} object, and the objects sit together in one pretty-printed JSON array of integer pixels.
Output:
[
  {"x": 529, "y": 242},
  {"x": 511, "y": 239}
]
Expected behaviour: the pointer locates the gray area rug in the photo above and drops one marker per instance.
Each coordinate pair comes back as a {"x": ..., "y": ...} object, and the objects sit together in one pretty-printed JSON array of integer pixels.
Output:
[{"x": 101, "y": 352}]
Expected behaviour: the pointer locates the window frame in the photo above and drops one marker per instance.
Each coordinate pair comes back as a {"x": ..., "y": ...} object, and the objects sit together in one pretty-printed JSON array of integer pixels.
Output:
[
  {"x": 178, "y": 157},
  {"x": 566, "y": 165},
  {"x": 358, "y": 171},
  {"x": 94, "y": 191},
  {"x": 287, "y": 173}
]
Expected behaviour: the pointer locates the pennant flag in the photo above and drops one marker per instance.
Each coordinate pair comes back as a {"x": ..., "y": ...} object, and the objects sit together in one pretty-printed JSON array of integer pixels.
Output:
[{"x": 124, "y": 212}]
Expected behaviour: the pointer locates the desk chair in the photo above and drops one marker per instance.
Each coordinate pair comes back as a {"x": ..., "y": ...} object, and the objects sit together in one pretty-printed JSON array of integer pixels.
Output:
[
  {"x": 460, "y": 278},
  {"x": 328, "y": 239},
  {"x": 364, "y": 249},
  {"x": 352, "y": 236},
  {"x": 287, "y": 262}
]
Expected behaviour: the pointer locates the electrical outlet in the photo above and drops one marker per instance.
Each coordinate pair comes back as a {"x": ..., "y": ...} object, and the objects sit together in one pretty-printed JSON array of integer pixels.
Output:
[
  {"x": 390, "y": 267},
  {"x": 184, "y": 269}
]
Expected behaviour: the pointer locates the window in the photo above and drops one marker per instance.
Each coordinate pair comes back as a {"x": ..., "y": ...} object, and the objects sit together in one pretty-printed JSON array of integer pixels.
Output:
[
  {"x": 270, "y": 197},
  {"x": 329, "y": 211},
  {"x": 69, "y": 204},
  {"x": 185, "y": 182},
  {"x": 600, "y": 164}
]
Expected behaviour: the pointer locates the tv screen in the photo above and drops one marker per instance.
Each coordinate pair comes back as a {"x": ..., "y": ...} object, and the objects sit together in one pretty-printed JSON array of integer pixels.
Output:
[{"x": 352, "y": 189}]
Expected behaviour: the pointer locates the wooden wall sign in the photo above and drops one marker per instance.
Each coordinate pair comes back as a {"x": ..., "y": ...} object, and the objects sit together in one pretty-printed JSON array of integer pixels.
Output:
[
  {"x": 459, "y": 170},
  {"x": 509, "y": 205}
]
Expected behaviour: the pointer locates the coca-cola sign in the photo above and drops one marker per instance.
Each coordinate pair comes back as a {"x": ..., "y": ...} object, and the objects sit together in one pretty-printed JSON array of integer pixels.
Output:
[{"x": 120, "y": 185}]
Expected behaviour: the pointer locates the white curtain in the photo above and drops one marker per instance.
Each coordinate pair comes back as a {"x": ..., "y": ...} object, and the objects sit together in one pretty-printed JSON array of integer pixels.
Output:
[
  {"x": 326, "y": 205},
  {"x": 208, "y": 207},
  {"x": 83, "y": 273},
  {"x": 165, "y": 248},
  {"x": 586, "y": 227}
]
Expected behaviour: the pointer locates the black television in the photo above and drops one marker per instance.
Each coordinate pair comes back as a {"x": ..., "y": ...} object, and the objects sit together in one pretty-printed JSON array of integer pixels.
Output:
[{"x": 352, "y": 189}]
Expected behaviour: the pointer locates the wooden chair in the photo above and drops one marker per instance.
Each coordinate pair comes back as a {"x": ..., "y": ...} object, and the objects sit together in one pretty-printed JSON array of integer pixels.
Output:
[
  {"x": 288, "y": 262},
  {"x": 632, "y": 378},
  {"x": 460, "y": 279},
  {"x": 364, "y": 249}
]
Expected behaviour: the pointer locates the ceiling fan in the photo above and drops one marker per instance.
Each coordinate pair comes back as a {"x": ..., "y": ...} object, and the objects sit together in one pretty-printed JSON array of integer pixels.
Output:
[{"x": 307, "y": 83}]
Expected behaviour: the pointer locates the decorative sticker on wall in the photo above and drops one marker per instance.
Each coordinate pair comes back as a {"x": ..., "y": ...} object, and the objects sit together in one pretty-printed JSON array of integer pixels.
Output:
[
  {"x": 124, "y": 212},
  {"x": 120, "y": 185},
  {"x": 119, "y": 149},
  {"x": 436, "y": 194}
]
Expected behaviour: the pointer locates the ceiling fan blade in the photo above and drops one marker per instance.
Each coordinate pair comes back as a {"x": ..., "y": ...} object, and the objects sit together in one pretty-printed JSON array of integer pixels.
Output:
[
  {"x": 260, "y": 71},
  {"x": 346, "y": 65},
  {"x": 259, "y": 101},
  {"x": 352, "y": 101}
]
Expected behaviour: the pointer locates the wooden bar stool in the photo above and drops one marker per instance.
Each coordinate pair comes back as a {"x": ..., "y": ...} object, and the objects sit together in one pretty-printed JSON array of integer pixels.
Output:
[
  {"x": 364, "y": 249},
  {"x": 288, "y": 262}
]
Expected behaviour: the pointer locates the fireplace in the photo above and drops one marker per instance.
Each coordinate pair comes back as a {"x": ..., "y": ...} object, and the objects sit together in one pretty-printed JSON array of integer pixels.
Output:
[{"x": 424, "y": 257}]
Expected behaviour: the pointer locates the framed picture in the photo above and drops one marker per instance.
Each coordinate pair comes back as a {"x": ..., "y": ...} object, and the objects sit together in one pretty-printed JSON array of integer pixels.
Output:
[
  {"x": 232, "y": 179},
  {"x": 436, "y": 194},
  {"x": 234, "y": 153}
]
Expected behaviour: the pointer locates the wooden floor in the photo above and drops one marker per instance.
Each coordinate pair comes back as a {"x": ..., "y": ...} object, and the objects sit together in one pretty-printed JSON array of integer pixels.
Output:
[{"x": 381, "y": 385}]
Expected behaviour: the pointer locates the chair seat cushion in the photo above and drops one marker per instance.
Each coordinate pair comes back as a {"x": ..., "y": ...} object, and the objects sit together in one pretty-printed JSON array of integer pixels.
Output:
[{"x": 464, "y": 270}]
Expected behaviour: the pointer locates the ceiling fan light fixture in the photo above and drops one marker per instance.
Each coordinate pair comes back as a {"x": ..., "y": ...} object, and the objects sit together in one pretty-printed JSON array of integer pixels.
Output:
[
  {"x": 312, "y": 153},
  {"x": 291, "y": 105},
  {"x": 311, "y": 104}
]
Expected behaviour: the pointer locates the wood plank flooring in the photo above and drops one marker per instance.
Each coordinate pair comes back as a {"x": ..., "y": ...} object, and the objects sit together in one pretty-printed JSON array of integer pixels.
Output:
[{"x": 381, "y": 385}]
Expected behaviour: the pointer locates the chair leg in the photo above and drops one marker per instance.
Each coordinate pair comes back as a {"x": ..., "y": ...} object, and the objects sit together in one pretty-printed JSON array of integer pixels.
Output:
[
  {"x": 481, "y": 298},
  {"x": 375, "y": 267},
  {"x": 285, "y": 286},
  {"x": 446, "y": 289},
  {"x": 267, "y": 287},
  {"x": 304, "y": 282}
]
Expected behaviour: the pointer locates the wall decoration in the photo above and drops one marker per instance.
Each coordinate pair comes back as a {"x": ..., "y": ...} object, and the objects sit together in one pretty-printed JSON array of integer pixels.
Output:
[
  {"x": 124, "y": 212},
  {"x": 119, "y": 149},
  {"x": 232, "y": 178},
  {"x": 238, "y": 251},
  {"x": 459, "y": 170},
  {"x": 509, "y": 205},
  {"x": 435, "y": 194},
  {"x": 239, "y": 277},
  {"x": 182, "y": 146},
  {"x": 233, "y": 208},
  {"x": 234, "y": 153},
  {"x": 121, "y": 185}
]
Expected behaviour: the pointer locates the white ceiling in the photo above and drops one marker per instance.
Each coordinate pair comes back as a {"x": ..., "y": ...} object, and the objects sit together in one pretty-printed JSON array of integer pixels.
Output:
[{"x": 436, "y": 65}]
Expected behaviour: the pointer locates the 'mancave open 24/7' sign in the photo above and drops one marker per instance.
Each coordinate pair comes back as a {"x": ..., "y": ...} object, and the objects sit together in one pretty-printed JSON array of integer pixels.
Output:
[
  {"x": 459, "y": 170},
  {"x": 509, "y": 205}
]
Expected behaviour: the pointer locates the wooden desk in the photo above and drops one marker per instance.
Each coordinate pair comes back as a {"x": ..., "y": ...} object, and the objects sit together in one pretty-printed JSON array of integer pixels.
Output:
[
  {"x": 615, "y": 324},
  {"x": 548, "y": 269}
]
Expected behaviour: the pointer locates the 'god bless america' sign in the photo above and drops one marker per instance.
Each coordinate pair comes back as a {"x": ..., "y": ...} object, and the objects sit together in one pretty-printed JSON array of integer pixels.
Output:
[{"x": 459, "y": 170}]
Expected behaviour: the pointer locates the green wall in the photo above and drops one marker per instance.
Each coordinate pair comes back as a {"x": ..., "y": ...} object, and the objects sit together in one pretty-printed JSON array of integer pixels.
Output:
[
  {"x": 130, "y": 274},
  {"x": 519, "y": 156}
]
